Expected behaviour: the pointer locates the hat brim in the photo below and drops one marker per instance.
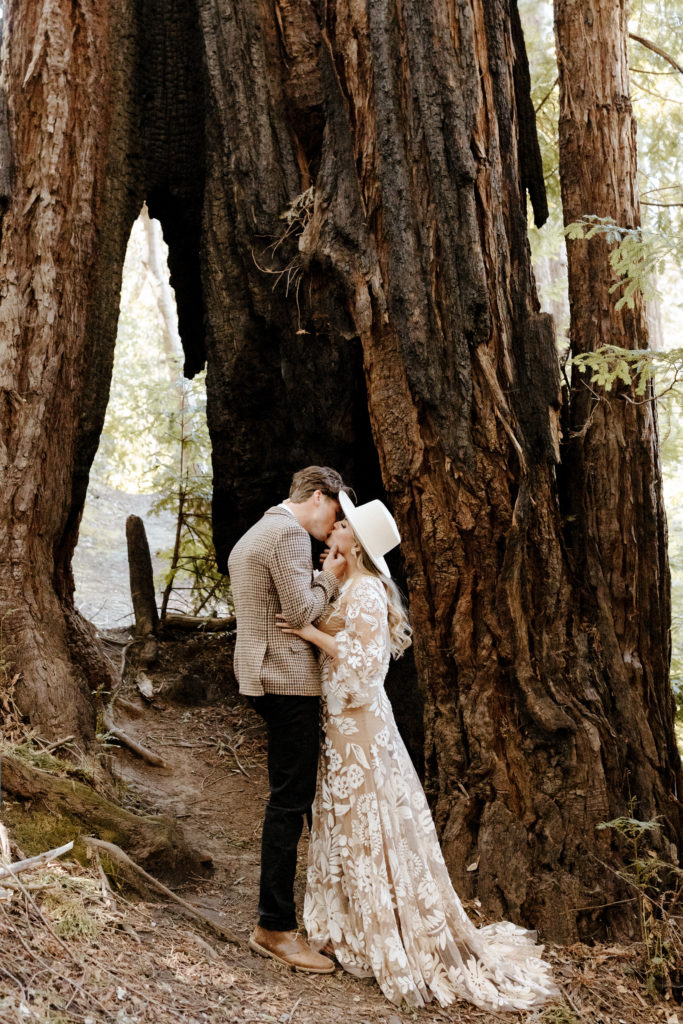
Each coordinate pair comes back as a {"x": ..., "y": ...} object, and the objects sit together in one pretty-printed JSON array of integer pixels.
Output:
[{"x": 348, "y": 508}]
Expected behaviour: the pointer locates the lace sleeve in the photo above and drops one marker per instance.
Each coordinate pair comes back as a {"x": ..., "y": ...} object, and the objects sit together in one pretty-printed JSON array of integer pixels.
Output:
[{"x": 362, "y": 646}]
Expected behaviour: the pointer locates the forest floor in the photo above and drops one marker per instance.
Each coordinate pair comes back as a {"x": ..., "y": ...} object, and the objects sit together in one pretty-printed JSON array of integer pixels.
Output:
[{"x": 72, "y": 949}]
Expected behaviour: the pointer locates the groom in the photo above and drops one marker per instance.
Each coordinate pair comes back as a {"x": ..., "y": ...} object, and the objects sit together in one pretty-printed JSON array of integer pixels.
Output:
[{"x": 271, "y": 572}]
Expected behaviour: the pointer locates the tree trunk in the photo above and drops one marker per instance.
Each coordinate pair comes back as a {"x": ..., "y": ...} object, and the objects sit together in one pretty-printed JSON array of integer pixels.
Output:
[
  {"x": 388, "y": 325},
  {"x": 58, "y": 99},
  {"x": 142, "y": 589},
  {"x": 611, "y": 485}
]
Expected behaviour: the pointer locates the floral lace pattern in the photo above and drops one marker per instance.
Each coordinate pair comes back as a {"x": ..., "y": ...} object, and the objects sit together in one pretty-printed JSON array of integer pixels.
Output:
[{"x": 378, "y": 888}]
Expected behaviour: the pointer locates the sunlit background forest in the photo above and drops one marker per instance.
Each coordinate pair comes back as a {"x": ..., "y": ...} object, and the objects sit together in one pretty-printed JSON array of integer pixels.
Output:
[{"x": 154, "y": 456}]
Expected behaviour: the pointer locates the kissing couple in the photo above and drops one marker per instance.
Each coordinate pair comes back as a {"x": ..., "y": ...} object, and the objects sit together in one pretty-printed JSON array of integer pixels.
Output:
[{"x": 379, "y": 899}]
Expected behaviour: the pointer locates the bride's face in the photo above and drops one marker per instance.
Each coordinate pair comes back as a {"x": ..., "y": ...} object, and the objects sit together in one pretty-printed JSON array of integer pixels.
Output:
[{"x": 342, "y": 537}]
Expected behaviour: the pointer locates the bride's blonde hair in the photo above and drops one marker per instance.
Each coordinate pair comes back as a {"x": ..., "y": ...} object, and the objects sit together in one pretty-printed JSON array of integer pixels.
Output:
[{"x": 400, "y": 631}]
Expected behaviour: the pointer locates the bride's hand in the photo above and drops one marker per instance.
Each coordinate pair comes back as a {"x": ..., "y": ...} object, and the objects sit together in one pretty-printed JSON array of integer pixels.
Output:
[{"x": 306, "y": 632}]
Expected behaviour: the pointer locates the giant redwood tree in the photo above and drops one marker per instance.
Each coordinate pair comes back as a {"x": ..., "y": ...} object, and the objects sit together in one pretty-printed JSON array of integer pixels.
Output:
[
  {"x": 343, "y": 190},
  {"x": 610, "y": 476}
]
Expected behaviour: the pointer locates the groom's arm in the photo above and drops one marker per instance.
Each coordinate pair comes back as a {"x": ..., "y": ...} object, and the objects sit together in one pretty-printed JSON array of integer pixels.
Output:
[{"x": 302, "y": 598}]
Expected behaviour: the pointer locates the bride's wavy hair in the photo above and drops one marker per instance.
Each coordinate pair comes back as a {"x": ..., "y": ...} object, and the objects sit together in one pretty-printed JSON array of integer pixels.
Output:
[{"x": 400, "y": 630}]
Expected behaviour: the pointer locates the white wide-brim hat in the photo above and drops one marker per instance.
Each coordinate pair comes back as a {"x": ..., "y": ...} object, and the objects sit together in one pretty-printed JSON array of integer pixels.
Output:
[{"x": 374, "y": 526}]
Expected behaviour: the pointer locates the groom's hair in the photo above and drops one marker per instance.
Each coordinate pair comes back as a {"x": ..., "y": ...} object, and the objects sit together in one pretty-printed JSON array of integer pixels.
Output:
[{"x": 316, "y": 478}]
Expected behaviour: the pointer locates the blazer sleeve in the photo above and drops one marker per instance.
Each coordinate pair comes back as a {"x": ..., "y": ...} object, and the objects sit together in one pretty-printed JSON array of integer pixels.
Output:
[{"x": 302, "y": 597}]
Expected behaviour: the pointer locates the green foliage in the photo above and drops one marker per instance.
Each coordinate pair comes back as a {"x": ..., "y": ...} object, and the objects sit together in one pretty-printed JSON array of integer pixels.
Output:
[
  {"x": 637, "y": 258},
  {"x": 182, "y": 481},
  {"x": 649, "y": 879},
  {"x": 144, "y": 380},
  {"x": 635, "y": 368},
  {"x": 632, "y": 828}
]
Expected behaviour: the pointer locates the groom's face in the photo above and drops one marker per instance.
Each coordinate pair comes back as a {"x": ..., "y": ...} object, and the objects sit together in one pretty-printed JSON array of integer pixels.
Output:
[{"x": 323, "y": 516}]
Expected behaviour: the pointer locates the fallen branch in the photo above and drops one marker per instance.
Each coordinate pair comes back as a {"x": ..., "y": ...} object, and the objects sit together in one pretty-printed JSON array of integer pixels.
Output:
[
  {"x": 147, "y": 755},
  {"x": 229, "y": 743},
  {"x": 57, "y": 744},
  {"x": 126, "y": 705},
  {"x": 117, "y": 854},
  {"x": 209, "y": 624},
  {"x": 5, "y": 851},
  {"x": 35, "y": 862}
]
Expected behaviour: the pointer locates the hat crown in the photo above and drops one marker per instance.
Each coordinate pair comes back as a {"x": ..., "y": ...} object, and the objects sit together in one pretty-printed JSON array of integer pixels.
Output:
[{"x": 374, "y": 526}]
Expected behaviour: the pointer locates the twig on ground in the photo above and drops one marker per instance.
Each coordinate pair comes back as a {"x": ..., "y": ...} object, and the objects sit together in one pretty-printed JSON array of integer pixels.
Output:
[
  {"x": 127, "y": 705},
  {"x": 288, "y": 1019},
  {"x": 5, "y": 849},
  {"x": 147, "y": 755},
  {"x": 57, "y": 744},
  {"x": 107, "y": 894},
  {"x": 11, "y": 870},
  {"x": 229, "y": 742}
]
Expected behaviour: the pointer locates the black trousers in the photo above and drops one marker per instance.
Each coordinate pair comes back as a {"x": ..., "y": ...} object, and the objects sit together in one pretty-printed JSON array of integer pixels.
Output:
[{"x": 293, "y": 741}]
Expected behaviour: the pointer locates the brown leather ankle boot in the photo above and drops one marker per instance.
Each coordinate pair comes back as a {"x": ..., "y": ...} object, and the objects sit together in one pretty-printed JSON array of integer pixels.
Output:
[{"x": 290, "y": 949}]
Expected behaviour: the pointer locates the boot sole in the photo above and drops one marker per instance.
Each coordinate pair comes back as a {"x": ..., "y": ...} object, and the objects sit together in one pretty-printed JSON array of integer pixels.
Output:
[{"x": 262, "y": 951}]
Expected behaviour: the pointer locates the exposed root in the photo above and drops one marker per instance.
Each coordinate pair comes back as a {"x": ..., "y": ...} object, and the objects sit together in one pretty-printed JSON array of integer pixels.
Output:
[
  {"x": 147, "y": 755},
  {"x": 119, "y": 857}
]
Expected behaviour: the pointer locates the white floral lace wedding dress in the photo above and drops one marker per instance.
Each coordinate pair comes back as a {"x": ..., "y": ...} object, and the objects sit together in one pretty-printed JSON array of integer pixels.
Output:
[{"x": 378, "y": 889}]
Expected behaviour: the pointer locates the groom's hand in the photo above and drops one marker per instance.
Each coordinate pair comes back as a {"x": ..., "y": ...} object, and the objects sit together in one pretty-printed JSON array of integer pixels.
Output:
[{"x": 335, "y": 562}]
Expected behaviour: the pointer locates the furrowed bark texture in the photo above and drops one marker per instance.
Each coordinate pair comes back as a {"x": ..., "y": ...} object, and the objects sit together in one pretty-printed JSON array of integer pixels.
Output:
[
  {"x": 342, "y": 188},
  {"x": 611, "y": 484},
  {"x": 264, "y": 129},
  {"x": 56, "y": 81},
  {"x": 453, "y": 339}
]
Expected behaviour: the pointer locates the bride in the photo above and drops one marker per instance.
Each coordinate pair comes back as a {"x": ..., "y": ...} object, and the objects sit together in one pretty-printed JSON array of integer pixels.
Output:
[{"x": 379, "y": 896}]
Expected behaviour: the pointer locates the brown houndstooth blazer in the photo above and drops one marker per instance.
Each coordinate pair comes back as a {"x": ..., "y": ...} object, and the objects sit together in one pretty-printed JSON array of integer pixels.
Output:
[{"x": 271, "y": 571}]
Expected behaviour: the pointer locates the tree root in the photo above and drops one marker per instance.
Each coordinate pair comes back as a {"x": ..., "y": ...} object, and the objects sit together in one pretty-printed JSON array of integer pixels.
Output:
[
  {"x": 116, "y": 854},
  {"x": 126, "y": 705},
  {"x": 149, "y": 838},
  {"x": 147, "y": 755}
]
